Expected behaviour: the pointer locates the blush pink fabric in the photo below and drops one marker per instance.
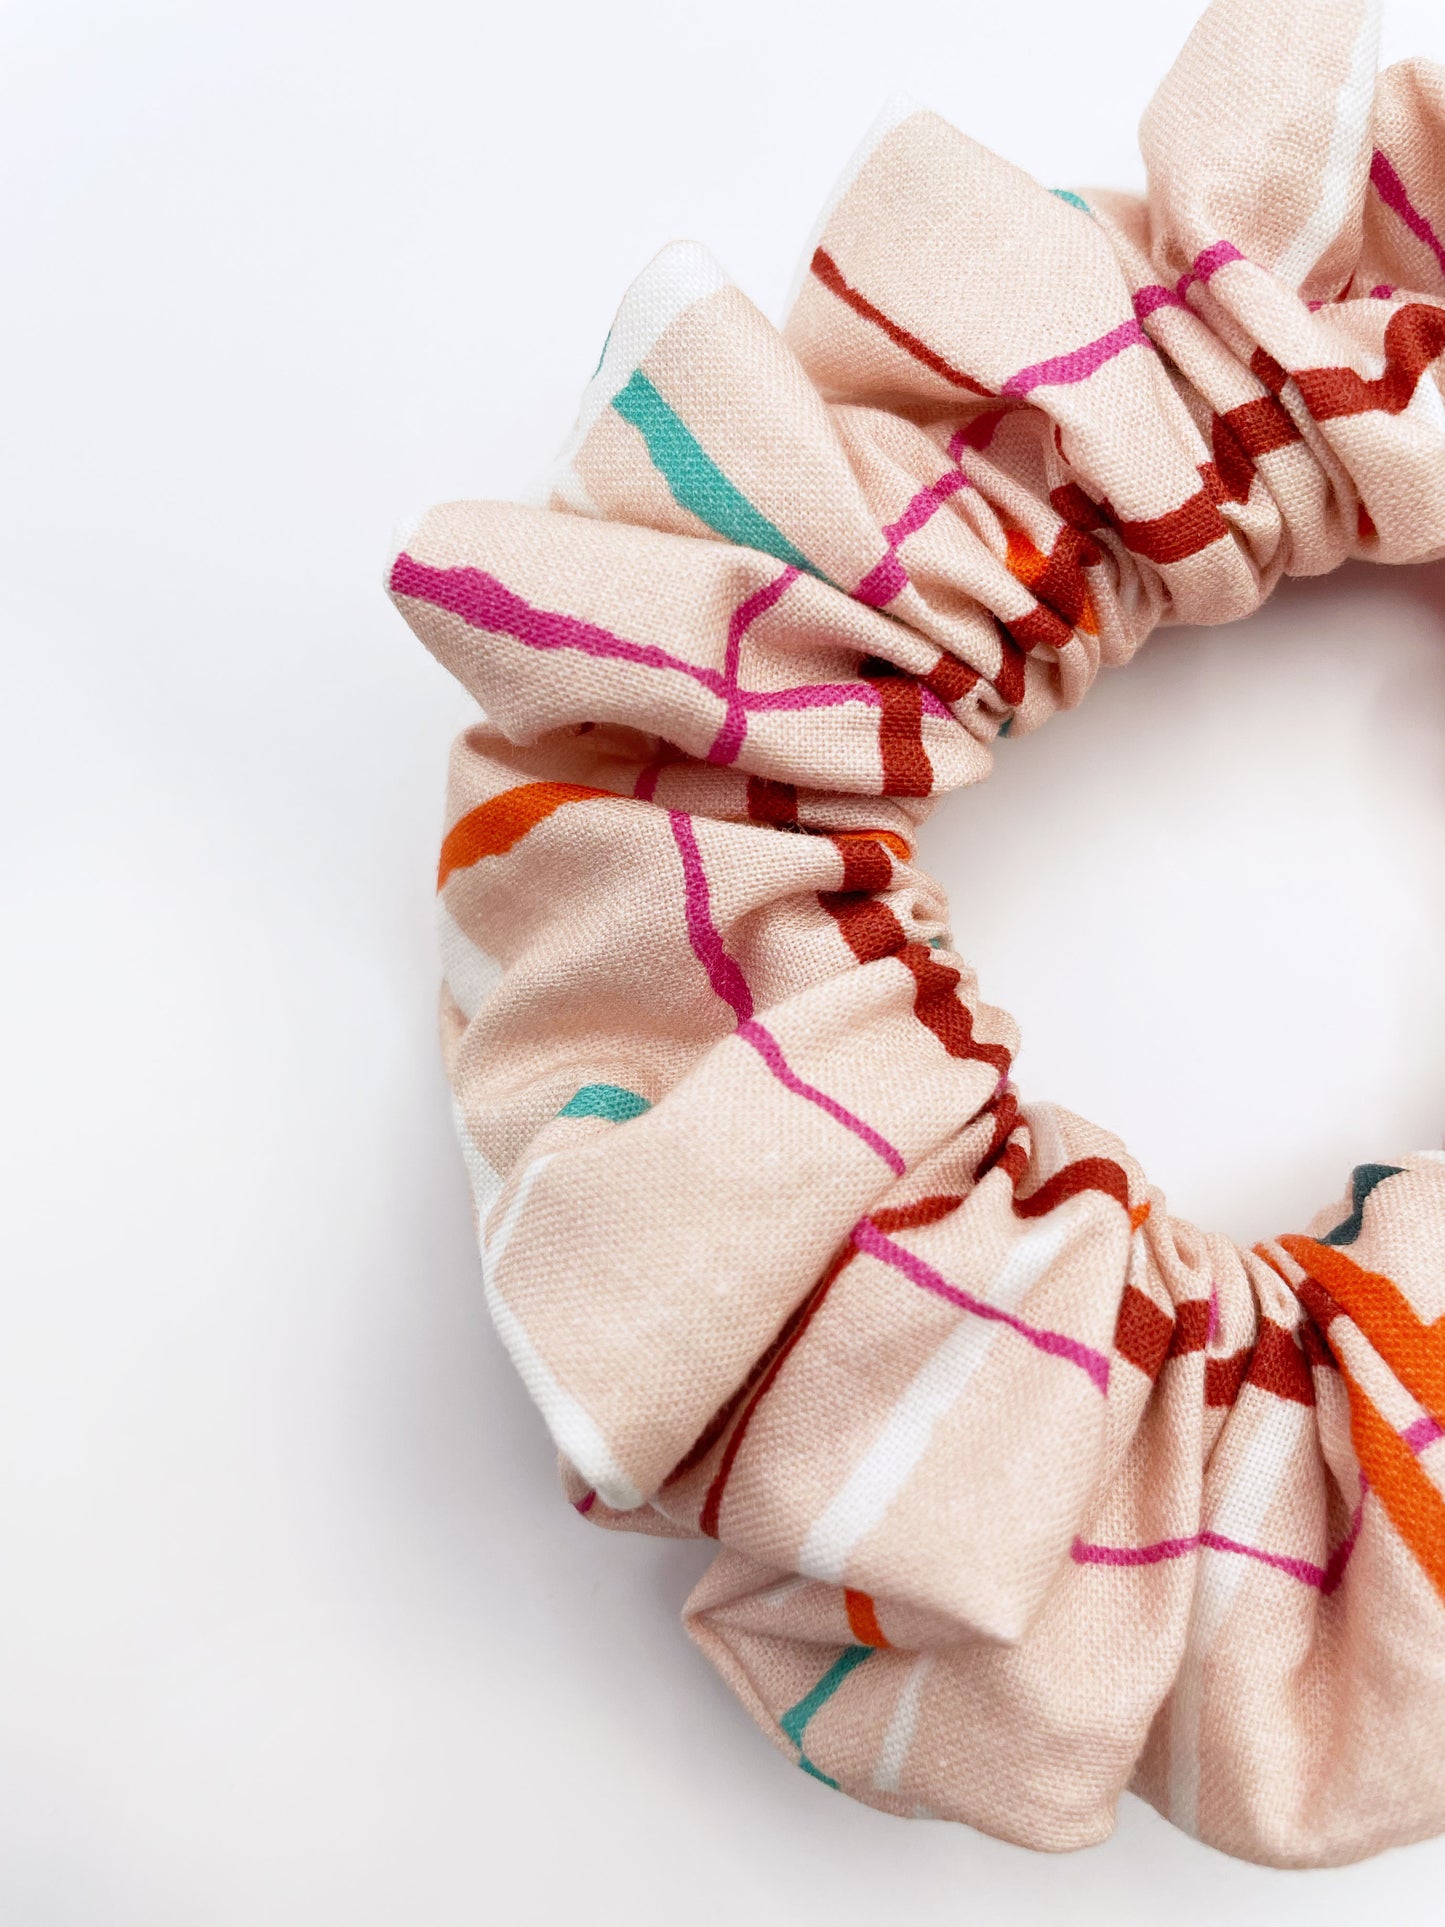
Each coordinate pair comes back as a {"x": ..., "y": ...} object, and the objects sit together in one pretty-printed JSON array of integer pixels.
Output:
[{"x": 1026, "y": 1491}]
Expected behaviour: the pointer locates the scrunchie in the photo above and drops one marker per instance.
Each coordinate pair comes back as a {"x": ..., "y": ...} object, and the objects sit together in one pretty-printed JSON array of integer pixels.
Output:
[{"x": 1027, "y": 1492}]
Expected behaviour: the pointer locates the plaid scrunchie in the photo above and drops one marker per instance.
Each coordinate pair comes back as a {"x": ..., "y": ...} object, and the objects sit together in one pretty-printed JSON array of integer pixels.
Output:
[{"x": 1026, "y": 1491}]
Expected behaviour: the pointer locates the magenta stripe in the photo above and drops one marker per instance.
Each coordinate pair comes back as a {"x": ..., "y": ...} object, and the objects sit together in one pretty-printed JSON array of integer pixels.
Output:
[
  {"x": 1393, "y": 192},
  {"x": 867, "y": 1237},
  {"x": 485, "y": 603},
  {"x": 768, "y": 1048},
  {"x": 885, "y": 580},
  {"x": 828, "y": 695},
  {"x": 707, "y": 945},
  {"x": 1423, "y": 1433},
  {"x": 1079, "y": 363},
  {"x": 1155, "y": 296},
  {"x": 1218, "y": 255},
  {"x": 925, "y": 504},
  {"x": 1322, "y": 1578},
  {"x": 729, "y": 739},
  {"x": 889, "y": 578}
]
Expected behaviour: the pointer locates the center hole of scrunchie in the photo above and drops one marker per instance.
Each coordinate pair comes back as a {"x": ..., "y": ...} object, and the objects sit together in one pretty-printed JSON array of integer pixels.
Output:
[{"x": 1214, "y": 898}]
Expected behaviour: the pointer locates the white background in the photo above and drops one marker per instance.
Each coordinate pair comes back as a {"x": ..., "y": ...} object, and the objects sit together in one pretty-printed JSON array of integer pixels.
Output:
[{"x": 295, "y": 1630}]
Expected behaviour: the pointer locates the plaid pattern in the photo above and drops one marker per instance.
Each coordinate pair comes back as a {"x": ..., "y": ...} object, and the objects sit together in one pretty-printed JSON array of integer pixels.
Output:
[{"x": 1026, "y": 1491}]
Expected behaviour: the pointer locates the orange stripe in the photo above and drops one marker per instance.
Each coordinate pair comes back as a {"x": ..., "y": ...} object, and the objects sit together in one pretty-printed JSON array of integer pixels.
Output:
[
  {"x": 1414, "y": 1351},
  {"x": 493, "y": 827},
  {"x": 863, "y": 1618},
  {"x": 1406, "y": 1491},
  {"x": 887, "y": 838}
]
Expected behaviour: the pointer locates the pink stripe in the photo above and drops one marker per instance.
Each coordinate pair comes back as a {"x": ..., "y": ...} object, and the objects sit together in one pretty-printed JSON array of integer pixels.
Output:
[
  {"x": 889, "y": 578},
  {"x": 867, "y": 1237},
  {"x": 925, "y": 504},
  {"x": 829, "y": 695},
  {"x": 767, "y": 1047},
  {"x": 707, "y": 945},
  {"x": 1217, "y": 256},
  {"x": 729, "y": 739},
  {"x": 1423, "y": 1433},
  {"x": 1079, "y": 363},
  {"x": 483, "y": 602},
  {"x": 1322, "y": 1578},
  {"x": 1382, "y": 291},
  {"x": 585, "y": 1504},
  {"x": 1146, "y": 300},
  {"x": 1393, "y": 192},
  {"x": 645, "y": 788}
]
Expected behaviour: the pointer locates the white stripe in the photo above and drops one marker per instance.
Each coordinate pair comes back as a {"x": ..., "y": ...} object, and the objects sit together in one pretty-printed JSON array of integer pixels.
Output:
[
  {"x": 1219, "y": 1576},
  {"x": 898, "y": 108},
  {"x": 865, "y": 1496},
  {"x": 779, "y": 1594},
  {"x": 683, "y": 273},
  {"x": 893, "y": 1754},
  {"x": 1352, "y": 115},
  {"x": 577, "y": 1433},
  {"x": 1427, "y": 405},
  {"x": 471, "y": 975}
]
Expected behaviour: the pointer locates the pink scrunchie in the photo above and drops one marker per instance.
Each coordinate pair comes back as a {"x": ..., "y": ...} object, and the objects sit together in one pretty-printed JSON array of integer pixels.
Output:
[{"x": 1027, "y": 1492}]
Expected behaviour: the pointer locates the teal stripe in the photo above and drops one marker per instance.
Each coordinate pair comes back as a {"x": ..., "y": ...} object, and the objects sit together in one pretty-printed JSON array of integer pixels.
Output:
[
  {"x": 797, "y": 1717},
  {"x": 605, "y": 1100},
  {"x": 817, "y": 1772},
  {"x": 1072, "y": 199},
  {"x": 1363, "y": 1180},
  {"x": 695, "y": 478},
  {"x": 1007, "y": 724}
]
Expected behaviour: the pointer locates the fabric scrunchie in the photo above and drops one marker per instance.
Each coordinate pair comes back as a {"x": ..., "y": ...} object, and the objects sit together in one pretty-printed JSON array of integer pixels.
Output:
[{"x": 1027, "y": 1492}]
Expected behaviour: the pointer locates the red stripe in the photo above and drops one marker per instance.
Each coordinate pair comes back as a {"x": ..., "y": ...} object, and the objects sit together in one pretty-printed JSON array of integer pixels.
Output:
[
  {"x": 1088, "y": 1174},
  {"x": 827, "y": 271},
  {"x": 787, "y": 1339},
  {"x": 1414, "y": 337}
]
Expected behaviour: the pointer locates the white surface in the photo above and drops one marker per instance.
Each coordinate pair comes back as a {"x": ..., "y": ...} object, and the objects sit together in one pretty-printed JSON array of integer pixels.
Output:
[{"x": 295, "y": 1630}]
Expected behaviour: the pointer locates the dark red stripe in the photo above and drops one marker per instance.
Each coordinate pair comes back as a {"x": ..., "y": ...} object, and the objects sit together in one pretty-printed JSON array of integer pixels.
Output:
[
  {"x": 1087, "y": 1174},
  {"x": 1414, "y": 337},
  {"x": 767, "y": 1370},
  {"x": 938, "y": 1008},
  {"x": 949, "y": 679},
  {"x": 909, "y": 1217},
  {"x": 1142, "y": 1332},
  {"x": 1178, "y": 533},
  {"x": 770, "y": 802},
  {"x": 828, "y": 272}
]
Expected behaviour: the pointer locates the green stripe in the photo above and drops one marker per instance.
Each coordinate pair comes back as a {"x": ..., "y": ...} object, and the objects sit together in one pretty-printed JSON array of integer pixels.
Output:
[
  {"x": 605, "y": 1100},
  {"x": 817, "y": 1772},
  {"x": 1072, "y": 199},
  {"x": 695, "y": 478},
  {"x": 797, "y": 1717},
  {"x": 1363, "y": 1180}
]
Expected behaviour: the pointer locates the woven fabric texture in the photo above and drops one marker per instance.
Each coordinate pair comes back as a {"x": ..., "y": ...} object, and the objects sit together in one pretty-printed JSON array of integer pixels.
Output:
[{"x": 1026, "y": 1491}]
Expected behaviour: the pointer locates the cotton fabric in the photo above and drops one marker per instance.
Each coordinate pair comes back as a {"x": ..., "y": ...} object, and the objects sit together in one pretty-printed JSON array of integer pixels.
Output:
[{"x": 1026, "y": 1491}]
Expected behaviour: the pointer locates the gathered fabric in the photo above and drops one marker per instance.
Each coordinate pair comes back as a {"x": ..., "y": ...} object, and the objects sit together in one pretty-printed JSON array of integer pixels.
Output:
[{"x": 1026, "y": 1491}]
